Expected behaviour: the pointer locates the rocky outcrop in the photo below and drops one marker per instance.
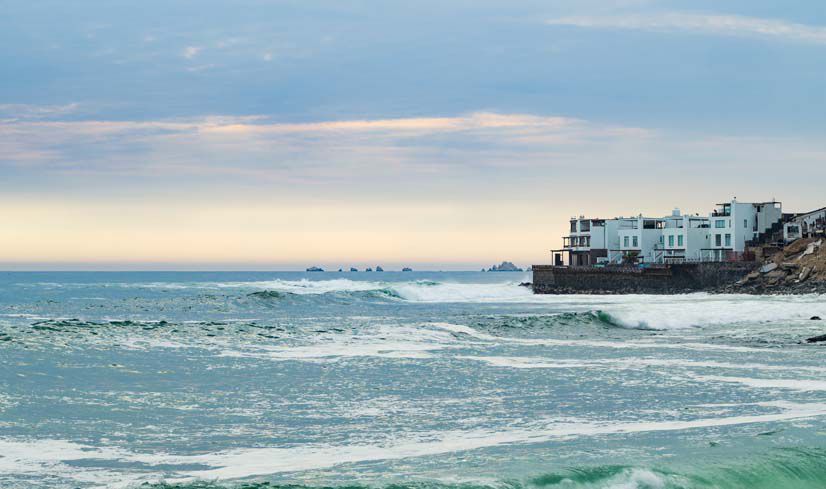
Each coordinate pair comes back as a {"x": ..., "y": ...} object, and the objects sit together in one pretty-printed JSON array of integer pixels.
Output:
[
  {"x": 505, "y": 266},
  {"x": 799, "y": 268}
]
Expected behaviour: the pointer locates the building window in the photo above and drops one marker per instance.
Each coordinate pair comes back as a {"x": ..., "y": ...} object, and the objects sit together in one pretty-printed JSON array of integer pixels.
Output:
[
  {"x": 584, "y": 226},
  {"x": 718, "y": 240},
  {"x": 680, "y": 240},
  {"x": 573, "y": 226},
  {"x": 671, "y": 241},
  {"x": 661, "y": 239},
  {"x": 720, "y": 223},
  {"x": 745, "y": 223},
  {"x": 636, "y": 243},
  {"x": 625, "y": 242},
  {"x": 728, "y": 240}
]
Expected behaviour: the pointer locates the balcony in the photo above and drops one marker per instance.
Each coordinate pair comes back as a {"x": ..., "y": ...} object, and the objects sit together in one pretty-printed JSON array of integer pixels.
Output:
[
  {"x": 576, "y": 242},
  {"x": 722, "y": 210}
]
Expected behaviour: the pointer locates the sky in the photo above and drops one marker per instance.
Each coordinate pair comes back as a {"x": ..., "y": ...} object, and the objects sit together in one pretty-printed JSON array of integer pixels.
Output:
[{"x": 270, "y": 134}]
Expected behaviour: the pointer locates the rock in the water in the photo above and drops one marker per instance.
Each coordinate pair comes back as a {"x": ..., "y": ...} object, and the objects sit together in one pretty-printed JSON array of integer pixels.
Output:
[
  {"x": 505, "y": 266},
  {"x": 815, "y": 318},
  {"x": 816, "y": 339}
]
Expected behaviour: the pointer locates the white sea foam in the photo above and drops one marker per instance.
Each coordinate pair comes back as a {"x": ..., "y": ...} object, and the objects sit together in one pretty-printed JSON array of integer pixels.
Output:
[
  {"x": 697, "y": 310},
  {"x": 529, "y": 362},
  {"x": 668, "y": 365},
  {"x": 802, "y": 385},
  {"x": 248, "y": 462},
  {"x": 384, "y": 341},
  {"x": 634, "y": 344},
  {"x": 50, "y": 457},
  {"x": 636, "y": 479},
  {"x": 416, "y": 291},
  {"x": 631, "y": 311}
]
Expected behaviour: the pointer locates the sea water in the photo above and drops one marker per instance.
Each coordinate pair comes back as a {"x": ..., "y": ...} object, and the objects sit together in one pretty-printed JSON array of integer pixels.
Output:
[{"x": 403, "y": 380}]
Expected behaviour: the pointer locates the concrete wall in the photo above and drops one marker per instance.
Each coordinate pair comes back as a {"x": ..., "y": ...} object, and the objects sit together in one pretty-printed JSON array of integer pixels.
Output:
[{"x": 670, "y": 279}]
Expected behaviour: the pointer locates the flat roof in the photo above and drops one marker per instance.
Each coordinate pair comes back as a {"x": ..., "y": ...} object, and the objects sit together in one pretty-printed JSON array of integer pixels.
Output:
[{"x": 803, "y": 214}]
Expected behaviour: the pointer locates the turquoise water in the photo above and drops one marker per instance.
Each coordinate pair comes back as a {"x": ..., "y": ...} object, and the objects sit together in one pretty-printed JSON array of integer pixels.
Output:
[{"x": 430, "y": 380}]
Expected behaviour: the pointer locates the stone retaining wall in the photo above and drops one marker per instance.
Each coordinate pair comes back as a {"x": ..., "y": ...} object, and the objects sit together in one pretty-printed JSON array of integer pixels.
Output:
[{"x": 666, "y": 279}]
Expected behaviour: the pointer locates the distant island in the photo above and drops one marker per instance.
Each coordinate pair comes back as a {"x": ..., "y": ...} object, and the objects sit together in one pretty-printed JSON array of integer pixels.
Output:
[
  {"x": 379, "y": 269},
  {"x": 505, "y": 266},
  {"x": 407, "y": 269},
  {"x": 315, "y": 269},
  {"x": 354, "y": 269}
]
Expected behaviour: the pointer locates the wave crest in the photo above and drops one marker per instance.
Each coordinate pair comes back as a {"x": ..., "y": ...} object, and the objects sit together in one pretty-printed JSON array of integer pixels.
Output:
[{"x": 417, "y": 291}]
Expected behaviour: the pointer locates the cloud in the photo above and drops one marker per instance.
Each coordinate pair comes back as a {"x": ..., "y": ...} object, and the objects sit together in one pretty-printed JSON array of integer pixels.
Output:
[
  {"x": 256, "y": 147},
  {"x": 191, "y": 51},
  {"x": 405, "y": 126},
  {"x": 723, "y": 25},
  {"x": 19, "y": 112}
]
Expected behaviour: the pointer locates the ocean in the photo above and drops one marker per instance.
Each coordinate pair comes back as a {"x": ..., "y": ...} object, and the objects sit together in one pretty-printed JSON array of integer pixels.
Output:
[{"x": 401, "y": 380}]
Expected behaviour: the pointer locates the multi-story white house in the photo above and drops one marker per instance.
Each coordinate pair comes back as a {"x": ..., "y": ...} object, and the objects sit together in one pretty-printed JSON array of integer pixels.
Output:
[
  {"x": 806, "y": 225},
  {"x": 684, "y": 238},
  {"x": 638, "y": 237},
  {"x": 734, "y": 224},
  {"x": 589, "y": 240},
  {"x": 723, "y": 235}
]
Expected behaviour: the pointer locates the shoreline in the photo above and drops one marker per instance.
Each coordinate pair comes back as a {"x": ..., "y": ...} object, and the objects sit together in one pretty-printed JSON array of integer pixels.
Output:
[
  {"x": 717, "y": 291},
  {"x": 810, "y": 288}
]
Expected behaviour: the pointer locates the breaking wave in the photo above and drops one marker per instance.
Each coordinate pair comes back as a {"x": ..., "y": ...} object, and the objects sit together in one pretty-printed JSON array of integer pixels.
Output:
[
  {"x": 799, "y": 468},
  {"x": 645, "y": 312},
  {"x": 417, "y": 291},
  {"x": 642, "y": 312}
]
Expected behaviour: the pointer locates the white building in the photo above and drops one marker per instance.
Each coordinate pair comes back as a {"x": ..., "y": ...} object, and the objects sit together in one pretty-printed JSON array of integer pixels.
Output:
[
  {"x": 723, "y": 235},
  {"x": 638, "y": 239},
  {"x": 808, "y": 225},
  {"x": 735, "y": 224},
  {"x": 684, "y": 238},
  {"x": 589, "y": 240}
]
